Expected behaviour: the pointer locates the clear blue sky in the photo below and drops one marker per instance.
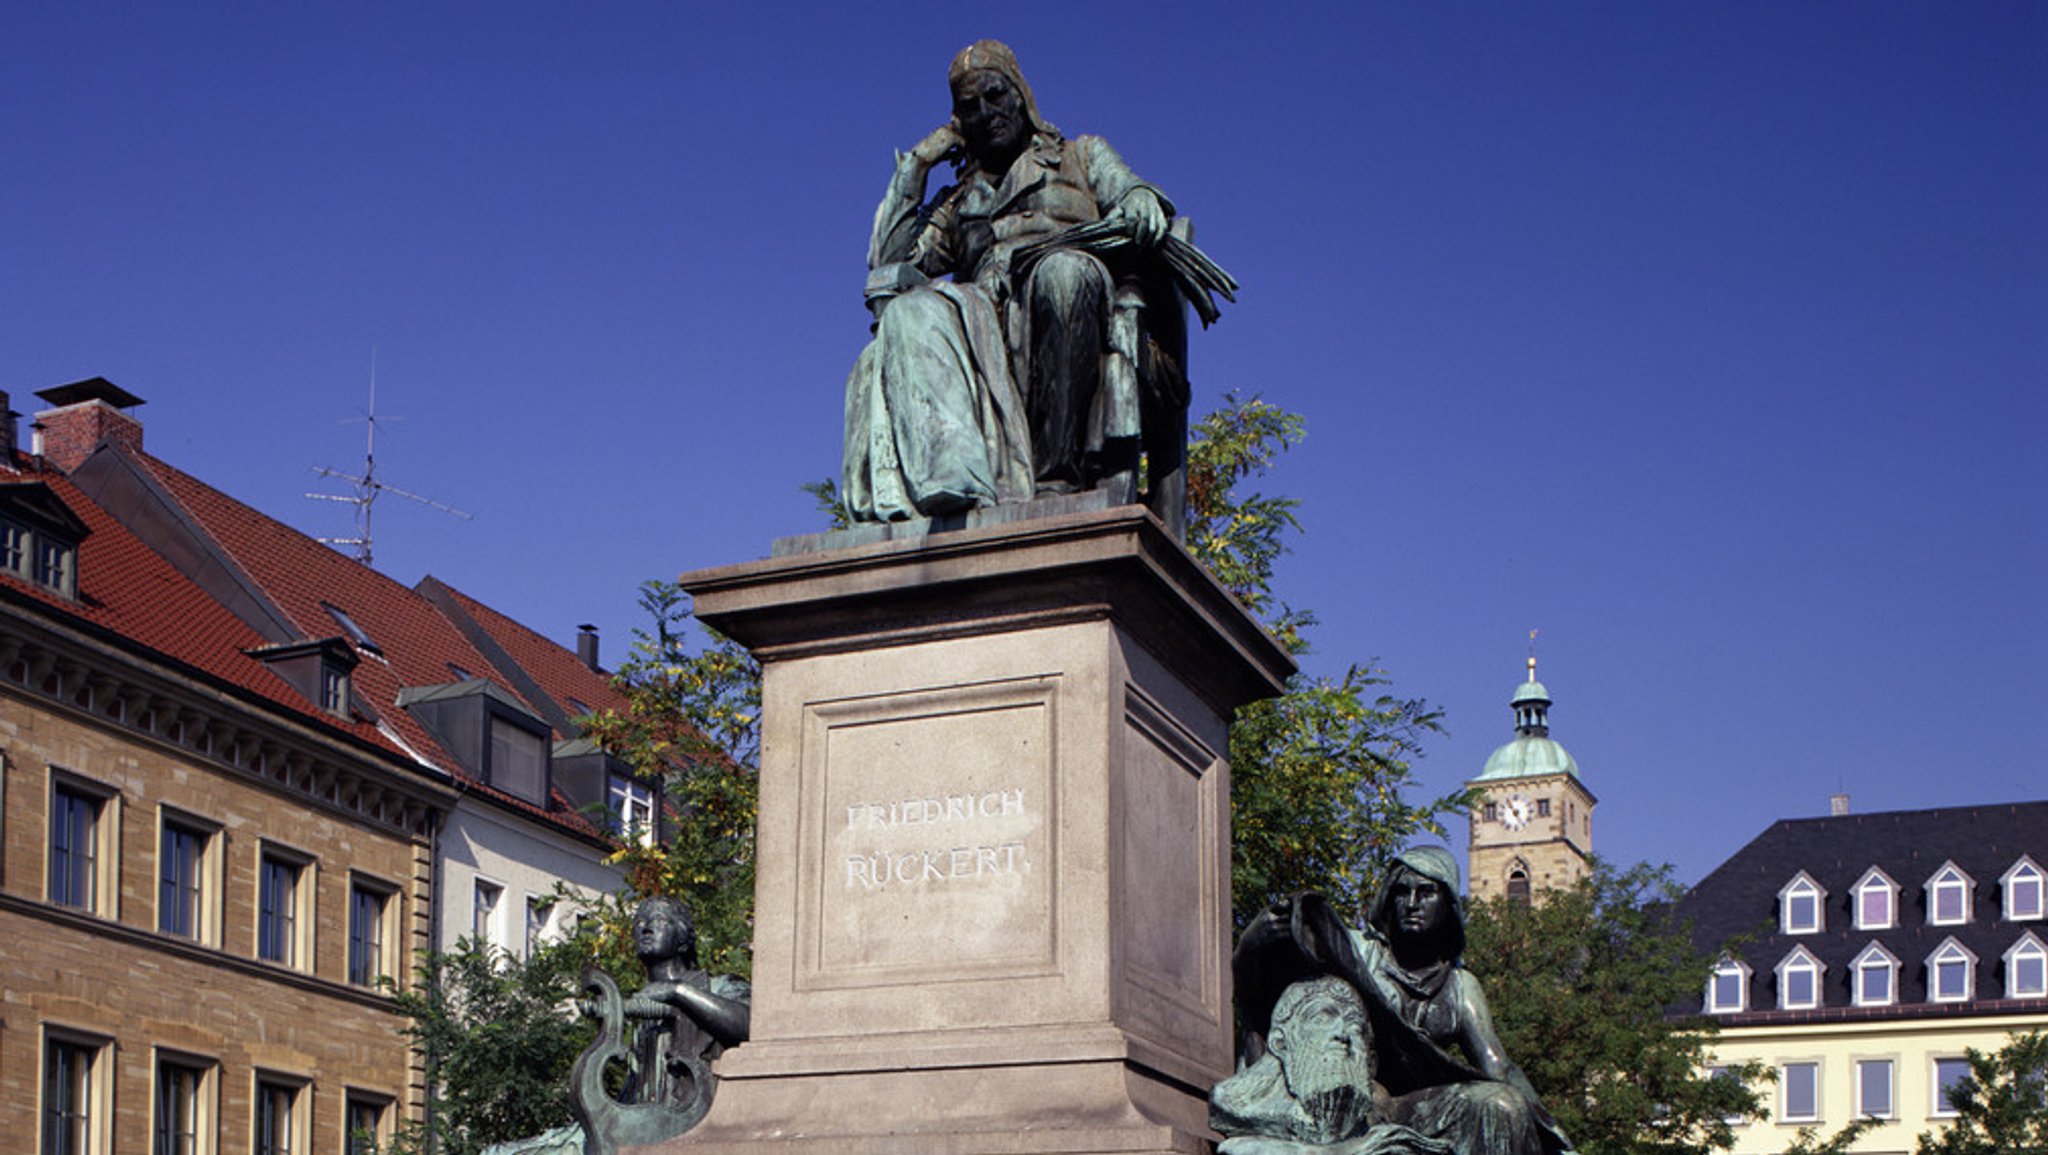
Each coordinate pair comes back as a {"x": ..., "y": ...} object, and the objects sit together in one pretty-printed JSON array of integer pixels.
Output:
[{"x": 1710, "y": 339}]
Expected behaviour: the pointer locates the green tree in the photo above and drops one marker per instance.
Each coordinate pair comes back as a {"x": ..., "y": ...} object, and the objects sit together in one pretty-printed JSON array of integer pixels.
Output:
[
  {"x": 1581, "y": 985},
  {"x": 1320, "y": 775},
  {"x": 498, "y": 1034},
  {"x": 691, "y": 719},
  {"x": 2001, "y": 1105}
]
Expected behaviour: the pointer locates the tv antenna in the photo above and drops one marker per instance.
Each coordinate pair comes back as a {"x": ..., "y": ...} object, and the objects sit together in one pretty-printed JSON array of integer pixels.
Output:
[{"x": 367, "y": 487}]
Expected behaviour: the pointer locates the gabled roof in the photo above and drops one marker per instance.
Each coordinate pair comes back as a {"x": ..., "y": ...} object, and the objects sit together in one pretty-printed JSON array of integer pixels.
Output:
[
  {"x": 285, "y": 588},
  {"x": 1741, "y": 895}
]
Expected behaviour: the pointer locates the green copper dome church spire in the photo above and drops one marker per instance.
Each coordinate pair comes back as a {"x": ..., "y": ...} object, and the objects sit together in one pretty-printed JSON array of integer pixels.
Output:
[{"x": 1532, "y": 752}]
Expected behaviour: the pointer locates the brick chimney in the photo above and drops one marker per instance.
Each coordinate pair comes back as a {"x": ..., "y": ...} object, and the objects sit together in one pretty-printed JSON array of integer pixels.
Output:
[{"x": 84, "y": 414}]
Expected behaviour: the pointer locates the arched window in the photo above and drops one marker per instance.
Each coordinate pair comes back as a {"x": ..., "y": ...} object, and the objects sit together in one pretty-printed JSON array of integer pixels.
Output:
[
  {"x": 1876, "y": 901},
  {"x": 1876, "y": 975},
  {"x": 1951, "y": 973},
  {"x": 1948, "y": 896},
  {"x": 2023, "y": 891},
  {"x": 1799, "y": 981},
  {"x": 1518, "y": 886},
  {"x": 2026, "y": 969},
  {"x": 1799, "y": 905}
]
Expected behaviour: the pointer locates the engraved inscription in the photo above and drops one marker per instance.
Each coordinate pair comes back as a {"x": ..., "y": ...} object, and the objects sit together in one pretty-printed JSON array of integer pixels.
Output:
[{"x": 952, "y": 863}]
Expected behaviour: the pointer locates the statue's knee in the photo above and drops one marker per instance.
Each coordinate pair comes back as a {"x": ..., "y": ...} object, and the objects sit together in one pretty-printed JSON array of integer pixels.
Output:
[
  {"x": 1066, "y": 279},
  {"x": 915, "y": 311}
]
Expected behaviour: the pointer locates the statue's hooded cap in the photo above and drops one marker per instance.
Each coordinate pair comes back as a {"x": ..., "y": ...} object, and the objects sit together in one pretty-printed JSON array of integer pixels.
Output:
[
  {"x": 995, "y": 56},
  {"x": 1436, "y": 864}
]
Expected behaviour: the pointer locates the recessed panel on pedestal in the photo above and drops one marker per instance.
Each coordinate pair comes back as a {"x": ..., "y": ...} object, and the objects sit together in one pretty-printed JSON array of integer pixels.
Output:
[{"x": 927, "y": 838}]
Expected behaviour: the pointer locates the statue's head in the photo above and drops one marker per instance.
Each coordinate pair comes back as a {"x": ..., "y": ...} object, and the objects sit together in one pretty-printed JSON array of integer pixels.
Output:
[
  {"x": 663, "y": 930},
  {"x": 1322, "y": 1039},
  {"x": 1418, "y": 905},
  {"x": 992, "y": 105}
]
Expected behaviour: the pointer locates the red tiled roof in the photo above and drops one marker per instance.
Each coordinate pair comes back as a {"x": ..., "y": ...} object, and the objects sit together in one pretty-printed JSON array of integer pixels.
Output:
[
  {"x": 127, "y": 590},
  {"x": 301, "y": 577},
  {"x": 559, "y": 671}
]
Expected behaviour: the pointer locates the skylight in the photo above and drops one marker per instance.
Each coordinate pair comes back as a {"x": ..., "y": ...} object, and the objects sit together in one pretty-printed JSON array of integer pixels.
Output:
[{"x": 356, "y": 633}]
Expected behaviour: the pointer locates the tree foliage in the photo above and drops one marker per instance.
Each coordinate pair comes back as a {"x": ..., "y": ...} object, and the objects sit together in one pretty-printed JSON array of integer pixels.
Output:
[
  {"x": 1580, "y": 986},
  {"x": 691, "y": 720},
  {"x": 1319, "y": 775},
  {"x": 2001, "y": 1105},
  {"x": 498, "y": 1034}
]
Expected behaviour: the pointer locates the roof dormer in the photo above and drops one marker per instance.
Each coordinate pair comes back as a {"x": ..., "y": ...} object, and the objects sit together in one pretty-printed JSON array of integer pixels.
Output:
[
  {"x": 490, "y": 731},
  {"x": 39, "y": 538},
  {"x": 1801, "y": 906},
  {"x": 1874, "y": 901},
  {"x": 319, "y": 670},
  {"x": 1949, "y": 892}
]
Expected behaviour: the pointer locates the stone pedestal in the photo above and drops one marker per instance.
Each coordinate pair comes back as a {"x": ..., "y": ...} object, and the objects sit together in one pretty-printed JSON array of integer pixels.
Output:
[{"x": 993, "y": 898}]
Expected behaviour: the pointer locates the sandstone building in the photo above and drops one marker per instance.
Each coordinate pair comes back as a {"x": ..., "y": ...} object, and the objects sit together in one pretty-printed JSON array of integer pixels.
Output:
[{"x": 243, "y": 779}]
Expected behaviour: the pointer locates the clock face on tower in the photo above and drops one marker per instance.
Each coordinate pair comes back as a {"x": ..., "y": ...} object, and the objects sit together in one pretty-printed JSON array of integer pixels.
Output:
[{"x": 1517, "y": 812}]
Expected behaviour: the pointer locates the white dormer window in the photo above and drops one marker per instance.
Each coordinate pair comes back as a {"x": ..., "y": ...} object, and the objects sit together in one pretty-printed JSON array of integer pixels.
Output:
[
  {"x": 1876, "y": 901},
  {"x": 1951, "y": 973},
  {"x": 1948, "y": 896},
  {"x": 2026, "y": 969},
  {"x": 2023, "y": 891},
  {"x": 1728, "y": 988},
  {"x": 1799, "y": 905},
  {"x": 1799, "y": 981},
  {"x": 1876, "y": 976}
]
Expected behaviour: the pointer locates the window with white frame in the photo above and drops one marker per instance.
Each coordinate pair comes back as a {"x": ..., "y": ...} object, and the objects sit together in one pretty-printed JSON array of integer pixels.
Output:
[
  {"x": 82, "y": 851},
  {"x": 184, "y": 1107},
  {"x": 631, "y": 808},
  {"x": 1799, "y": 977},
  {"x": 1800, "y": 906},
  {"x": 1948, "y": 1071},
  {"x": 483, "y": 925},
  {"x": 1799, "y": 1092},
  {"x": 1951, "y": 973},
  {"x": 1876, "y": 901},
  {"x": 2026, "y": 969},
  {"x": 540, "y": 914},
  {"x": 2024, "y": 885},
  {"x": 1876, "y": 976},
  {"x": 1948, "y": 896},
  {"x": 77, "y": 1095},
  {"x": 1728, "y": 987},
  {"x": 1874, "y": 1089}
]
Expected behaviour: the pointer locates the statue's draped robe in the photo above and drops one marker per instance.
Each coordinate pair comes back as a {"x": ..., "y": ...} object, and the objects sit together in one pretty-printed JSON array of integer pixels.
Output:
[{"x": 936, "y": 409}]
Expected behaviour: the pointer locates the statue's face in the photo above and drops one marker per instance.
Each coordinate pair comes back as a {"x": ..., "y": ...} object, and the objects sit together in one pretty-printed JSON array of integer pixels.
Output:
[
  {"x": 658, "y": 933},
  {"x": 1325, "y": 1054},
  {"x": 1419, "y": 904},
  {"x": 991, "y": 115}
]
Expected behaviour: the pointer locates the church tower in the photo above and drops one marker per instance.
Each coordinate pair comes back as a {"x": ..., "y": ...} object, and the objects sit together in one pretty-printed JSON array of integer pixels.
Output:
[{"x": 1532, "y": 827}]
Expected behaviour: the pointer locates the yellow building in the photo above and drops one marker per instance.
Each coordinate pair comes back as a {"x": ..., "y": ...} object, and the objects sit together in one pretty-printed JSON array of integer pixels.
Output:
[
  {"x": 1879, "y": 947},
  {"x": 1532, "y": 829}
]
